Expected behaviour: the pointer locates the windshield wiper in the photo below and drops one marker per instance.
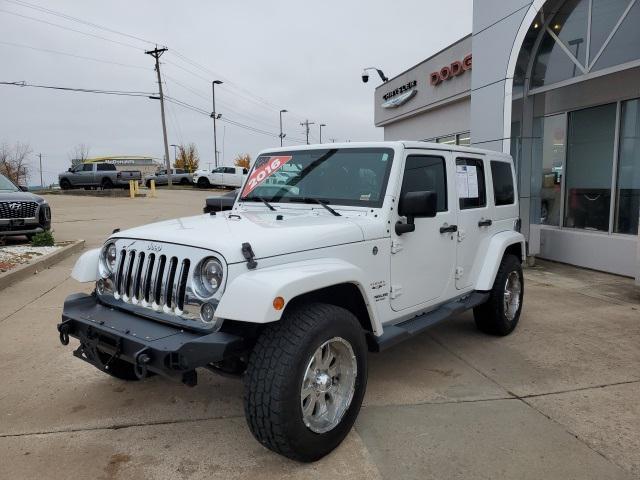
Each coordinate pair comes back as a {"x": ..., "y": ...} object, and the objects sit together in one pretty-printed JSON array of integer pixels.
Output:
[
  {"x": 318, "y": 201},
  {"x": 260, "y": 199}
]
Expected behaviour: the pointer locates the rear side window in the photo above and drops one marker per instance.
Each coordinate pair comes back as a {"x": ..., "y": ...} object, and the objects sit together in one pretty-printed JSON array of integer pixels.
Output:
[
  {"x": 106, "y": 167},
  {"x": 503, "y": 191},
  {"x": 229, "y": 170},
  {"x": 426, "y": 173},
  {"x": 87, "y": 167},
  {"x": 471, "y": 183}
]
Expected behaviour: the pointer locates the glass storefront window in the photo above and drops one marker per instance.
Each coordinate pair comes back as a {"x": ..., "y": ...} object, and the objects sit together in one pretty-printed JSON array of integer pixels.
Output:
[
  {"x": 448, "y": 140},
  {"x": 591, "y": 139},
  {"x": 570, "y": 26},
  {"x": 604, "y": 16},
  {"x": 464, "y": 139},
  {"x": 546, "y": 178},
  {"x": 625, "y": 44},
  {"x": 628, "y": 194}
]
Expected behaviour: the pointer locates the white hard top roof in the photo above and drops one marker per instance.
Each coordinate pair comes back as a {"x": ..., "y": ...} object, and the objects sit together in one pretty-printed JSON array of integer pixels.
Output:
[{"x": 407, "y": 144}]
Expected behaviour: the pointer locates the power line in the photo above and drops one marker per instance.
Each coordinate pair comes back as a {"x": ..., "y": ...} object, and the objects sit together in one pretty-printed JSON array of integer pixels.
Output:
[
  {"x": 122, "y": 93},
  {"x": 70, "y": 29},
  {"x": 78, "y": 20},
  {"x": 56, "y": 52}
]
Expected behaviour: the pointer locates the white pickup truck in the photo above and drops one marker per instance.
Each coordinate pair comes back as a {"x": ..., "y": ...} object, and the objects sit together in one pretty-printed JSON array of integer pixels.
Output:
[
  {"x": 224, "y": 177},
  {"x": 358, "y": 247}
]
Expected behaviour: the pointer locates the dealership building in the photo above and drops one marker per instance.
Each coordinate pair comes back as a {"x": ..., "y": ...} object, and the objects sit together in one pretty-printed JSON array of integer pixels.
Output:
[
  {"x": 557, "y": 85},
  {"x": 145, "y": 165}
]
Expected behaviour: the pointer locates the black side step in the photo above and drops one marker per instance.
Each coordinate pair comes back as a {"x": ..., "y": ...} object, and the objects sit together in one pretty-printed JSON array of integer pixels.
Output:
[{"x": 394, "y": 334}]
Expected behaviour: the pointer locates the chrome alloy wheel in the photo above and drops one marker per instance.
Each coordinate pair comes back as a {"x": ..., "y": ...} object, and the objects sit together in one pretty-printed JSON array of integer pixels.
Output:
[
  {"x": 328, "y": 385},
  {"x": 512, "y": 290}
]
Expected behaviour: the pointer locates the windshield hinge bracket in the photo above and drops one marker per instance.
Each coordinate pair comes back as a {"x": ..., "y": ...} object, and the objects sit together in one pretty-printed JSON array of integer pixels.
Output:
[{"x": 248, "y": 254}]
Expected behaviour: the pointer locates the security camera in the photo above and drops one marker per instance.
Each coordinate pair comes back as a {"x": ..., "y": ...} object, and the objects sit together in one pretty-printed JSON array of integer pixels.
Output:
[{"x": 365, "y": 76}]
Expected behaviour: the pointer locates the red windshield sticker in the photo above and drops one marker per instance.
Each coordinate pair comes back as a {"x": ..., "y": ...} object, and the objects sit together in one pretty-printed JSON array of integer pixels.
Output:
[{"x": 261, "y": 173}]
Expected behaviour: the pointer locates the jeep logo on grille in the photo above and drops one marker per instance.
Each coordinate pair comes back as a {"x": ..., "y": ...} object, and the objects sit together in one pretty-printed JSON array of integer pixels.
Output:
[
  {"x": 154, "y": 247},
  {"x": 14, "y": 206}
]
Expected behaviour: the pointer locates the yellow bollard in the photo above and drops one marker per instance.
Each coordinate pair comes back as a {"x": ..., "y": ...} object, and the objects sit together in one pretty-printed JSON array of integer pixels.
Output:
[
  {"x": 153, "y": 188},
  {"x": 132, "y": 189}
]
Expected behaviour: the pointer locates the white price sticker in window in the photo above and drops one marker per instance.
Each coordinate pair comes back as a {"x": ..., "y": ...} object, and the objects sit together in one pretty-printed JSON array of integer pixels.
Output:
[{"x": 467, "y": 181}]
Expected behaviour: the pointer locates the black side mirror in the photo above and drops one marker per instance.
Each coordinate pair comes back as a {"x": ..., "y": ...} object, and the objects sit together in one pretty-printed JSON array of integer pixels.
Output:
[
  {"x": 23, "y": 188},
  {"x": 416, "y": 204}
]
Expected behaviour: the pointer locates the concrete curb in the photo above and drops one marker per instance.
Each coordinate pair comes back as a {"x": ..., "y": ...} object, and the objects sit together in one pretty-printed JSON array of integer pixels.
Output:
[{"x": 24, "y": 271}]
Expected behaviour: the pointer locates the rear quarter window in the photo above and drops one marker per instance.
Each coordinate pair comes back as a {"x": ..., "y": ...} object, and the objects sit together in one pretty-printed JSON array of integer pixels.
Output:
[{"x": 503, "y": 188}]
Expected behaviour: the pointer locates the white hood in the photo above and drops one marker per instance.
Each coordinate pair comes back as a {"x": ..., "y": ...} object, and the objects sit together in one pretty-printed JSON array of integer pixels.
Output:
[{"x": 226, "y": 232}]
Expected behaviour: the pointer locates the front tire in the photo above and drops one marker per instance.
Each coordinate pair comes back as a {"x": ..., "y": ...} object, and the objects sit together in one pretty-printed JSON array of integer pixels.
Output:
[
  {"x": 500, "y": 314},
  {"x": 305, "y": 381},
  {"x": 203, "y": 182}
]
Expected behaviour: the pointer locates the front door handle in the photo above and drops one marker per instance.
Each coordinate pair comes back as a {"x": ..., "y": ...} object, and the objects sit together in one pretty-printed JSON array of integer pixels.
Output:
[
  {"x": 485, "y": 223},
  {"x": 448, "y": 228}
]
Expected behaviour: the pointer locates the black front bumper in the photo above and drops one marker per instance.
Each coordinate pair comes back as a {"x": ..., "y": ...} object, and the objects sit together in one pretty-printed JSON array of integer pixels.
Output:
[{"x": 148, "y": 345}]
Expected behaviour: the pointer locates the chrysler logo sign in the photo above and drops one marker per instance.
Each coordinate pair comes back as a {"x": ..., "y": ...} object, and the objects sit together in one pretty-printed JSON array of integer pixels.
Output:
[
  {"x": 394, "y": 102},
  {"x": 400, "y": 95}
]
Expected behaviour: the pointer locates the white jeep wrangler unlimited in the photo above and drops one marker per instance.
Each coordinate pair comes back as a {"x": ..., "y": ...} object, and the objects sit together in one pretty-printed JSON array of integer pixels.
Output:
[{"x": 355, "y": 248}]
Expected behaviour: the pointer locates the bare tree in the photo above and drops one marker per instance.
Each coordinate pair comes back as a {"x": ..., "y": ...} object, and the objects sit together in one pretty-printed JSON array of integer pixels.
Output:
[
  {"x": 79, "y": 154},
  {"x": 14, "y": 162}
]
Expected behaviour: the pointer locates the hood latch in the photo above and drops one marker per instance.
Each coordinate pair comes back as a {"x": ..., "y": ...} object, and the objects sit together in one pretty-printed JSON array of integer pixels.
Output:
[{"x": 248, "y": 254}]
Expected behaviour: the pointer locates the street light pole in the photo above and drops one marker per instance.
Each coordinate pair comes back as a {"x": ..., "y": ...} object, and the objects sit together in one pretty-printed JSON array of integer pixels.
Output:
[
  {"x": 214, "y": 115},
  {"x": 175, "y": 152},
  {"x": 282, "y": 135},
  {"x": 322, "y": 125}
]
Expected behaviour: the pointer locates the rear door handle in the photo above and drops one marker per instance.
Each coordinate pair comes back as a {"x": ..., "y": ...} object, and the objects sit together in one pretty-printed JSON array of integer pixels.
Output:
[
  {"x": 485, "y": 223},
  {"x": 448, "y": 229}
]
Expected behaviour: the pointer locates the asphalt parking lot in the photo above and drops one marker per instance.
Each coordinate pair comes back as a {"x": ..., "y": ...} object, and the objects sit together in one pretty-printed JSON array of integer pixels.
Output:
[{"x": 558, "y": 399}]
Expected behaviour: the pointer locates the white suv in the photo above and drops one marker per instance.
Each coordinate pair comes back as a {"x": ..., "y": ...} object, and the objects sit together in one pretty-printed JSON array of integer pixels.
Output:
[{"x": 362, "y": 246}]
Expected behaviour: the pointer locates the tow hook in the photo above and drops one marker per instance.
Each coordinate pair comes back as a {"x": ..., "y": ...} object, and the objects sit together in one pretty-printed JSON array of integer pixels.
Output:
[
  {"x": 63, "y": 328},
  {"x": 140, "y": 367}
]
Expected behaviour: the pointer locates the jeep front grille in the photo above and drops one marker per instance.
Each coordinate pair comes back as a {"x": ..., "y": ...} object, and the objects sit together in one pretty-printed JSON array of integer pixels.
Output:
[
  {"x": 152, "y": 280},
  {"x": 18, "y": 209}
]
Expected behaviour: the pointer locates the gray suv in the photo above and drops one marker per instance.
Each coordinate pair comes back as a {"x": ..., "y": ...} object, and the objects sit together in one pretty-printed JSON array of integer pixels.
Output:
[{"x": 21, "y": 212}]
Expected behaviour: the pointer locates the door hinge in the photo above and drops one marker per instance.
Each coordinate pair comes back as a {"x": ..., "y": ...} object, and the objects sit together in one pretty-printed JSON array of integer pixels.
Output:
[
  {"x": 396, "y": 291},
  {"x": 459, "y": 273},
  {"x": 396, "y": 246}
]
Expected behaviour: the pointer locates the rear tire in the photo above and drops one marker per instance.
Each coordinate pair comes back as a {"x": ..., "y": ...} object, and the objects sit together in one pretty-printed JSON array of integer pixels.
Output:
[
  {"x": 500, "y": 314},
  {"x": 106, "y": 183},
  {"x": 305, "y": 381},
  {"x": 185, "y": 181}
]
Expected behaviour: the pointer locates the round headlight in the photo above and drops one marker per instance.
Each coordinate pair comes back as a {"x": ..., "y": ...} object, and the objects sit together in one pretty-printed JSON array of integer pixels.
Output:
[
  {"x": 108, "y": 260},
  {"x": 208, "y": 277}
]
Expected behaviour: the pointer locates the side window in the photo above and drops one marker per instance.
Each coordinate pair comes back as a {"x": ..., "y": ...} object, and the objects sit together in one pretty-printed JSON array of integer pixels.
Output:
[
  {"x": 471, "y": 183},
  {"x": 87, "y": 167},
  {"x": 229, "y": 170},
  {"x": 503, "y": 191},
  {"x": 423, "y": 173},
  {"x": 245, "y": 171},
  {"x": 179, "y": 171},
  {"x": 105, "y": 167}
]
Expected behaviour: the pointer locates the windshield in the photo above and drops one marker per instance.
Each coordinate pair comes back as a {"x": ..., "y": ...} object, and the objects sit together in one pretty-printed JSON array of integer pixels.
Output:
[
  {"x": 341, "y": 176},
  {"x": 6, "y": 185}
]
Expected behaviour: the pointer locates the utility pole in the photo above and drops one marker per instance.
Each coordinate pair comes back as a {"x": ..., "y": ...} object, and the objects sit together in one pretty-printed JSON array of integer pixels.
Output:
[
  {"x": 322, "y": 125},
  {"x": 41, "y": 182},
  {"x": 306, "y": 124},
  {"x": 282, "y": 135},
  {"x": 215, "y": 115},
  {"x": 157, "y": 53}
]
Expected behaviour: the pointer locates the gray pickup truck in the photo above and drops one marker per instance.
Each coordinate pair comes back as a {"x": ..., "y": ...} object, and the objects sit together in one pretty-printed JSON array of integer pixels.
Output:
[
  {"x": 178, "y": 176},
  {"x": 96, "y": 174}
]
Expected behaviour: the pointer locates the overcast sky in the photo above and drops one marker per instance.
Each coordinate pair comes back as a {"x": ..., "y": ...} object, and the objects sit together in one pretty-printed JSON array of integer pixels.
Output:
[{"x": 303, "y": 56}]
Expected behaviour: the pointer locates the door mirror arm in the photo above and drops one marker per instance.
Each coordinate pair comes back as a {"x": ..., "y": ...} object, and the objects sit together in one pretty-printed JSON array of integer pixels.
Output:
[{"x": 413, "y": 205}]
